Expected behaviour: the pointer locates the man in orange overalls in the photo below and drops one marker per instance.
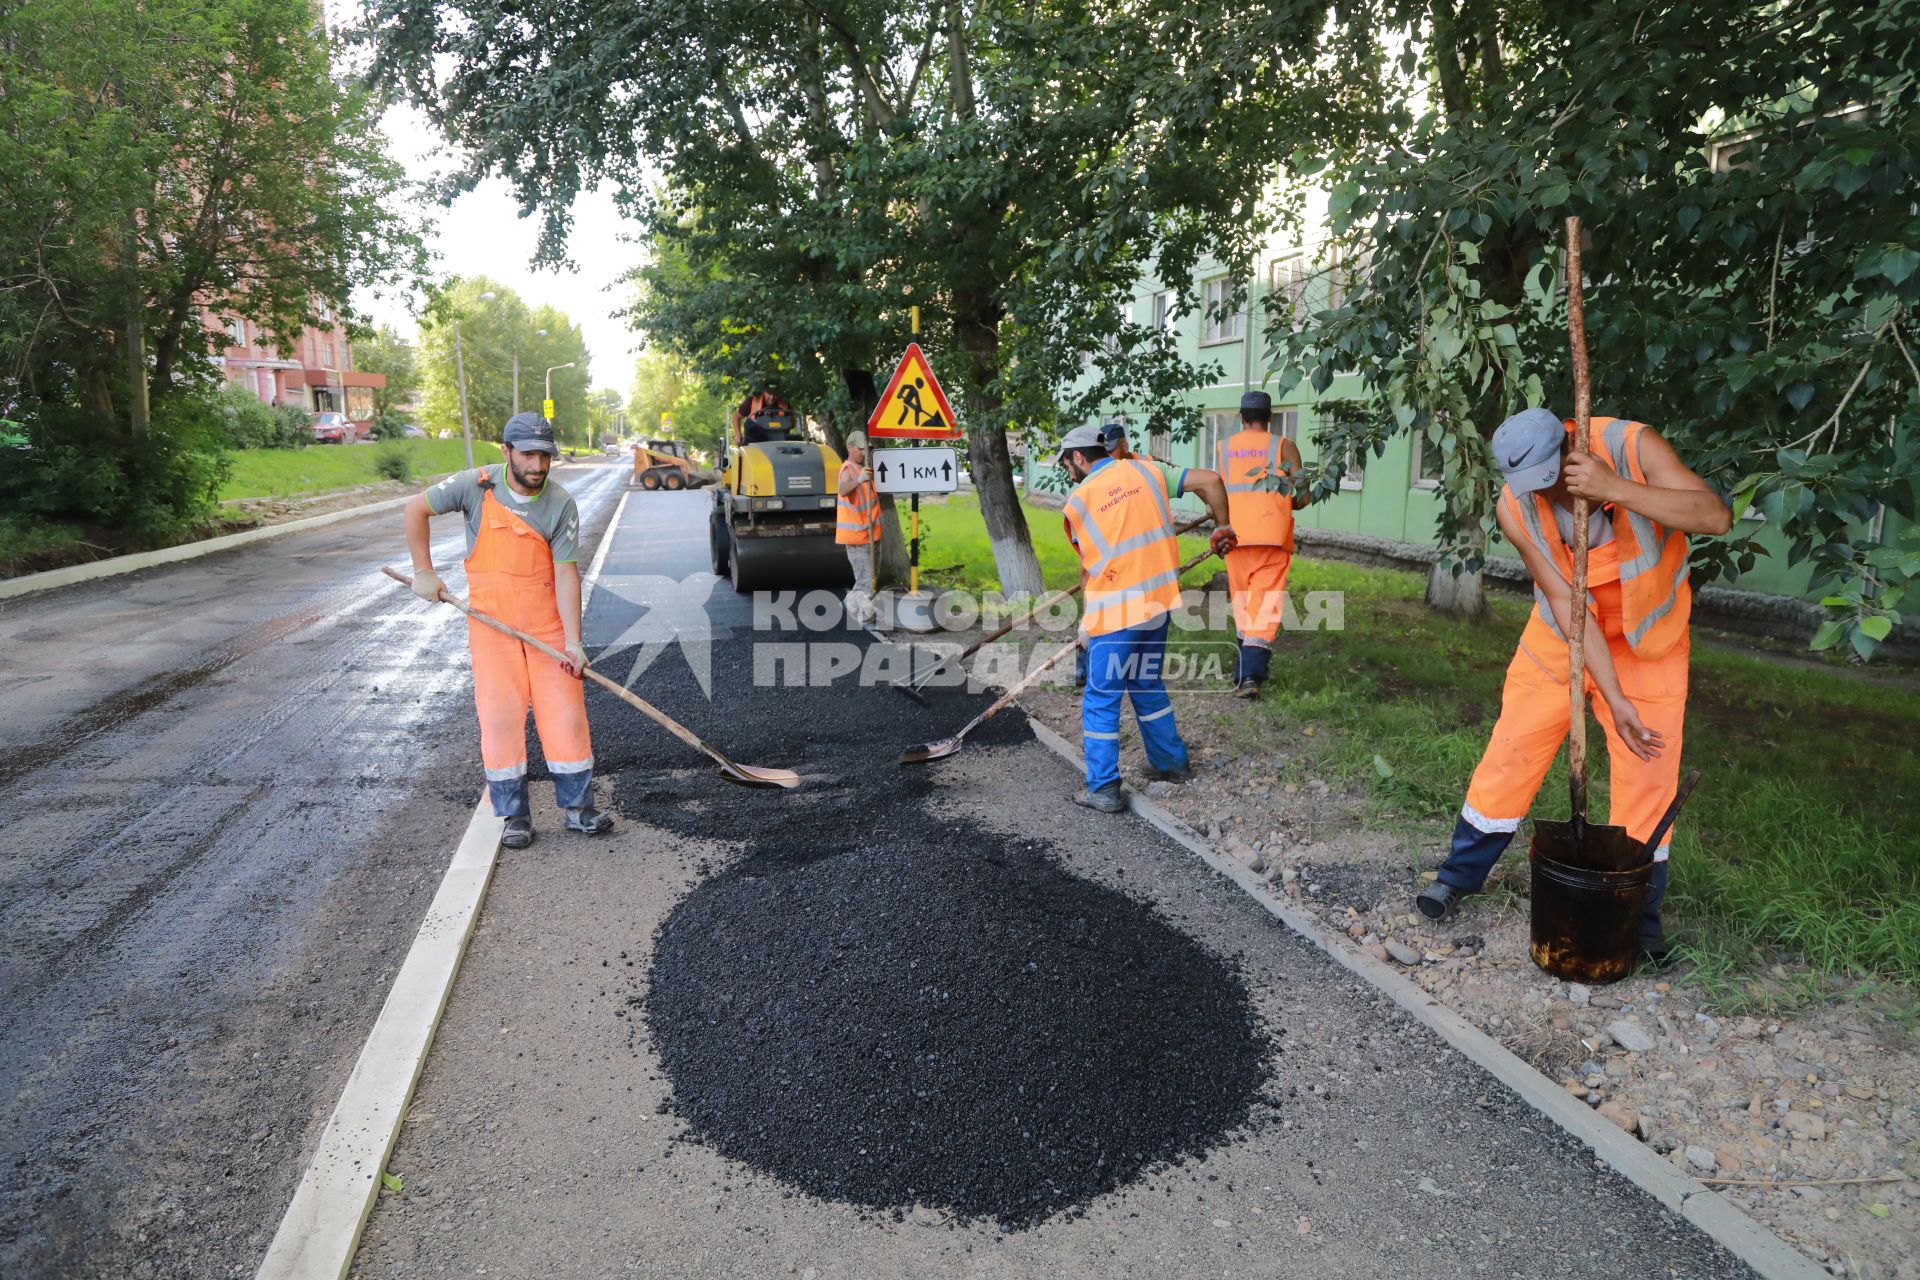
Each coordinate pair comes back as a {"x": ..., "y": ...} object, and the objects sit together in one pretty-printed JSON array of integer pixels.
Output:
[
  {"x": 1645, "y": 502},
  {"x": 523, "y": 543},
  {"x": 1258, "y": 468},
  {"x": 857, "y": 528}
]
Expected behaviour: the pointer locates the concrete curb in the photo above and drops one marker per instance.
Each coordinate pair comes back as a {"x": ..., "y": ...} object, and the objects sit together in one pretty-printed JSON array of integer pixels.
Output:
[
  {"x": 33, "y": 583},
  {"x": 322, "y": 1225},
  {"x": 1769, "y": 1255}
]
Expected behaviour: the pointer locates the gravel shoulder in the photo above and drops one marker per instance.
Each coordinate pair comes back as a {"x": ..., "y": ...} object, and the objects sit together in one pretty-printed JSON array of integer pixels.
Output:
[{"x": 1826, "y": 1090}]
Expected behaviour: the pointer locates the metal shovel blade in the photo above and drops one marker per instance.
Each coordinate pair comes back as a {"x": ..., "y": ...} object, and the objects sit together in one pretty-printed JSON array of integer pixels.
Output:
[
  {"x": 755, "y": 776},
  {"x": 930, "y": 751}
]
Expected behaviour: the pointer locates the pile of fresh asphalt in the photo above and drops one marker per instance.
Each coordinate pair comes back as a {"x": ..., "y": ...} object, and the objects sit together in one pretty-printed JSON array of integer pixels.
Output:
[{"x": 882, "y": 1006}]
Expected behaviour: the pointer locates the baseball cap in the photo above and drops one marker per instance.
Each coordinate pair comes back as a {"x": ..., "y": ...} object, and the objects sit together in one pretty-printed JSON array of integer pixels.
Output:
[
  {"x": 1527, "y": 449},
  {"x": 529, "y": 433},
  {"x": 856, "y": 440},
  {"x": 1112, "y": 435},
  {"x": 1081, "y": 437},
  {"x": 1256, "y": 402}
]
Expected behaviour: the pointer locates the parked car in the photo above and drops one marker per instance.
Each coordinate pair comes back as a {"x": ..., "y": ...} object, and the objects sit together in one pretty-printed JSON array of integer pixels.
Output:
[
  {"x": 333, "y": 428},
  {"x": 411, "y": 432}
]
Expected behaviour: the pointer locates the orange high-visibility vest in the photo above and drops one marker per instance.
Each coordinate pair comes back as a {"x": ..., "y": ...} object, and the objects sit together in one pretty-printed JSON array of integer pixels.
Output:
[
  {"x": 1260, "y": 518},
  {"x": 510, "y": 569},
  {"x": 1122, "y": 522},
  {"x": 1656, "y": 598},
  {"x": 859, "y": 512}
]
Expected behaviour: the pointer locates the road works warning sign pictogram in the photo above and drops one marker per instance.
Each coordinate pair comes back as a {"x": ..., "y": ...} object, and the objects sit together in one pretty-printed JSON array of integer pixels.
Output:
[{"x": 913, "y": 407}]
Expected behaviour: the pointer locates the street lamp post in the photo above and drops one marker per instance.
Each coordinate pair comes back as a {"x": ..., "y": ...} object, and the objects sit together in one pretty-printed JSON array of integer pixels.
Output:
[
  {"x": 548, "y": 406},
  {"x": 460, "y": 376}
]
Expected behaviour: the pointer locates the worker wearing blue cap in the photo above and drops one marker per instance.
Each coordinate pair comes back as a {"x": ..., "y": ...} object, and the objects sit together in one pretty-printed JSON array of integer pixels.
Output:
[
  {"x": 1645, "y": 502},
  {"x": 1260, "y": 470}
]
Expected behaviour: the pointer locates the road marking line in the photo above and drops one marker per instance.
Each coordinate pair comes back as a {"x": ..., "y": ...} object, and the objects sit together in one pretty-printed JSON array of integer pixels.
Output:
[
  {"x": 321, "y": 1227},
  {"x": 600, "y": 556},
  {"x": 1769, "y": 1255}
]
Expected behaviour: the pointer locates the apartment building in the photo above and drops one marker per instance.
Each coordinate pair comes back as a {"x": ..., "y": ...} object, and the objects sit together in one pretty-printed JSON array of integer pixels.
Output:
[{"x": 317, "y": 374}]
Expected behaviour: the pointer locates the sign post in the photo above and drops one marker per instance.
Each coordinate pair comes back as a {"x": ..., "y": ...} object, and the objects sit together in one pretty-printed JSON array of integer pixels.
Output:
[{"x": 913, "y": 407}]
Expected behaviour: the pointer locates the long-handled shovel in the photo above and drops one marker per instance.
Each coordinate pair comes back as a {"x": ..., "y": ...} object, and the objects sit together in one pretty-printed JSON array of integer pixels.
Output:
[
  {"x": 751, "y": 775},
  {"x": 913, "y": 688},
  {"x": 1592, "y": 845},
  {"x": 947, "y": 746}
]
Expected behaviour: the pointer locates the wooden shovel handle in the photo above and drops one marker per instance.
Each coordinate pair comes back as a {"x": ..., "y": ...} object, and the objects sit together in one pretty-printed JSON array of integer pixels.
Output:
[
  {"x": 1577, "y": 628},
  {"x": 638, "y": 703}
]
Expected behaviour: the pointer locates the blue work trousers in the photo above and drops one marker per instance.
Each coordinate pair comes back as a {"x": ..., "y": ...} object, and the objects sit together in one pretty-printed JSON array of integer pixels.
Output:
[{"x": 1120, "y": 665}]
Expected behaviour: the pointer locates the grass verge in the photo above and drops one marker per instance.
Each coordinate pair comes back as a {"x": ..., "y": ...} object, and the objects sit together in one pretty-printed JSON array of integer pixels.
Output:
[
  {"x": 279, "y": 473},
  {"x": 1802, "y": 838}
]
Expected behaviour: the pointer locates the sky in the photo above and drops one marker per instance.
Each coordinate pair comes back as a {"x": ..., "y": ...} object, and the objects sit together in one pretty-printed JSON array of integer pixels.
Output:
[{"x": 482, "y": 233}]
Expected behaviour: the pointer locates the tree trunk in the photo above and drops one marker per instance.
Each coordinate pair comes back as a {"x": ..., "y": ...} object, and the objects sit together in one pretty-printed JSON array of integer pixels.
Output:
[
  {"x": 893, "y": 542},
  {"x": 992, "y": 466},
  {"x": 988, "y": 457},
  {"x": 1463, "y": 594}
]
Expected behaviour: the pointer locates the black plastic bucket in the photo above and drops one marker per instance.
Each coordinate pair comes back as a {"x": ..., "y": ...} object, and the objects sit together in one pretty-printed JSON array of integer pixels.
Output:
[{"x": 1586, "y": 921}]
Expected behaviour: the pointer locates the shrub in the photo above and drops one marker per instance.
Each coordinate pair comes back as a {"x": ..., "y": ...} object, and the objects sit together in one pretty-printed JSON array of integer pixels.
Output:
[
  {"x": 393, "y": 462},
  {"x": 91, "y": 473},
  {"x": 248, "y": 424},
  {"x": 391, "y": 425},
  {"x": 296, "y": 426}
]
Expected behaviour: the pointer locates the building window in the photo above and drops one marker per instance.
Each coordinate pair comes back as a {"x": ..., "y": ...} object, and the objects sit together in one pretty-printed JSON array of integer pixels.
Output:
[
  {"x": 1350, "y": 267},
  {"x": 1219, "y": 322},
  {"x": 1429, "y": 464},
  {"x": 237, "y": 330},
  {"x": 1287, "y": 278},
  {"x": 1354, "y": 474},
  {"x": 330, "y": 353},
  {"x": 1160, "y": 445},
  {"x": 1216, "y": 425},
  {"x": 1287, "y": 423},
  {"x": 1162, "y": 310}
]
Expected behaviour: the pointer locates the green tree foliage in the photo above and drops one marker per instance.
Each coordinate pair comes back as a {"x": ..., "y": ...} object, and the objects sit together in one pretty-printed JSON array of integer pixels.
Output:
[
  {"x": 157, "y": 159},
  {"x": 1011, "y": 168},
  {"x": 665, "y": 385},
  {"x": 385, "y": 351},
  {"x": 492, "y": 332},
  {"x": 1746, "y": 173}
]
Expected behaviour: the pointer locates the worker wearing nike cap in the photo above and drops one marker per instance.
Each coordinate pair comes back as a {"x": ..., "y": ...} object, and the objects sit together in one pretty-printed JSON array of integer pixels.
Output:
[
  {"x": 523, "y": 542},
  {"x": 1259, "y": 469},
  {"x": 1645, "y": 501},
  {"x": 1120, "y": 519}
]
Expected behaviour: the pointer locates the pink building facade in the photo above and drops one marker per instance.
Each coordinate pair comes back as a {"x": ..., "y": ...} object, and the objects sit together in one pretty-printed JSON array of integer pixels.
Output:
[{"x": 317, "y": 375}]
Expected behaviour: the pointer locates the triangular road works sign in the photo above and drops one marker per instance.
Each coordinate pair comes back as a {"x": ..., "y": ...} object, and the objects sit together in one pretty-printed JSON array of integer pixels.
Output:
[{"x": 913, "y": 407}]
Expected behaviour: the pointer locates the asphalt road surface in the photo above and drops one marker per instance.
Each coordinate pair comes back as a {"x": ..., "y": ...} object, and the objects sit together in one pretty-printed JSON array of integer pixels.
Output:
[
  {"x": 550, "y": 1135},
  {"x": 228, "y": 789}
]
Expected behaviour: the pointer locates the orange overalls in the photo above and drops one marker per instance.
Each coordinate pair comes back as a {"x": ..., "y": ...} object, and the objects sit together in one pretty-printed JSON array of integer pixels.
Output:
[
  {"x": 510, "y": 576},
  {"x": 1638, "y": 591},
  {"x": 1263, "y": 524}
]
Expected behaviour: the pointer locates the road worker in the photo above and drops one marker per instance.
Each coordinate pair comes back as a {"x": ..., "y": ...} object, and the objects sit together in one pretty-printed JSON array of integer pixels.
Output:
[
  {"x": 1645, "y": 502},
  {"x": 1120, "y": 519},
  {"x": 523, "y": 545},
  {"x": 1259, "y": 469},
  {"x": 857, "y": 528}
]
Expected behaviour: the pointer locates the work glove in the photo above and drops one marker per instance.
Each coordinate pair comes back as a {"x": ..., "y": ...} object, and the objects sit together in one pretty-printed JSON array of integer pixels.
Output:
[
  {"x": 427, "y": 585},
  {"x": 1223, "y": 540},
  {"x": 576, "y": 661}
]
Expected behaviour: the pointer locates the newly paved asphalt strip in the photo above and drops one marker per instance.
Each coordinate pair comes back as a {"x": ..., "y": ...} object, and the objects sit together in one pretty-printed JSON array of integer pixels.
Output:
[
  {"x": 228, "y": 789},
  {"x": 545, "y": 1138}
]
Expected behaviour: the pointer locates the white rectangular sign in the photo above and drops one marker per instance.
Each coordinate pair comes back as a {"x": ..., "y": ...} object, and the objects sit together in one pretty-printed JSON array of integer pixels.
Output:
[{"x": 919, "y": 469}]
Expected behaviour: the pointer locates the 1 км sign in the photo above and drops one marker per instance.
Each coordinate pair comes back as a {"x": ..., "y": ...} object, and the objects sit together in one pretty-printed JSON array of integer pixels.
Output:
[{"x": 916, "y": 470}]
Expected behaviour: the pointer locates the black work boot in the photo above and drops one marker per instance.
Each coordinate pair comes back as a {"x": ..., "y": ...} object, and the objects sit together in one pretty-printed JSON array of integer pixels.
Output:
[
  {"x": 518, "y": 833},
  {"x": 1248, "y": 689},
  {"x": 1179, "y": 773},
  {"x": 589, "y": 821},
  {"x": 1106, "y": 800},
  {"x": 1439, "y": 900}
]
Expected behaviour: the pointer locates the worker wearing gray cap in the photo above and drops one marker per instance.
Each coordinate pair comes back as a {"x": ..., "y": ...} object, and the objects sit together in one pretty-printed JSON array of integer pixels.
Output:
[
  {"x": 1120, "y": 519},
  {"x": 857, "y": 528},
  {"x": 1260, "y": 470},
  {"x": 1645, "y": 502}
]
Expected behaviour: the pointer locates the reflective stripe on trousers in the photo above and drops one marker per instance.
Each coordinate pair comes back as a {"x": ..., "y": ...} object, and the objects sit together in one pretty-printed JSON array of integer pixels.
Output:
[{"x": 1124, "y": 665}]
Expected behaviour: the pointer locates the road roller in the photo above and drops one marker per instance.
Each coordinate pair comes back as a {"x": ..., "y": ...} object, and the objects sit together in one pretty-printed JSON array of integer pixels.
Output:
[{"x": 774, "y": 511}]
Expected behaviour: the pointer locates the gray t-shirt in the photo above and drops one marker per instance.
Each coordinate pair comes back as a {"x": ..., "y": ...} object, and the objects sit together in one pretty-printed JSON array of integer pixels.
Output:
[{"x": 550, "y": 512}]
